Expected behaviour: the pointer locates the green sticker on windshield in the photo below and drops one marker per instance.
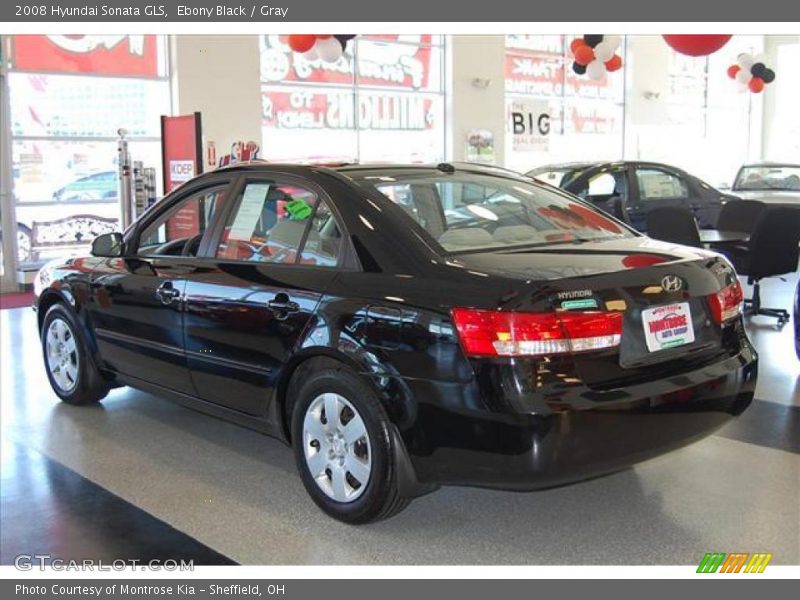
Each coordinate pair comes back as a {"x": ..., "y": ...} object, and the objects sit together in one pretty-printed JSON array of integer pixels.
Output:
[
  {"x": 578, "y": 304},
  {"x": 298, "y": 210}
]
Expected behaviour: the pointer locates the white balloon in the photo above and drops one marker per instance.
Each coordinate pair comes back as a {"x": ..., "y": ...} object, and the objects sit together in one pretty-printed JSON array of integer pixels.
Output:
[
  {"x": 311, "y": 54},
  {"x": 744, "y": 76},
  {"x": 596, "y": 70},
  {"x": 604, "y": 51},
  {"x": 329, "y": 49},
  {"x": 614, "y": 40},
  {"x": 745, "y": 60}
]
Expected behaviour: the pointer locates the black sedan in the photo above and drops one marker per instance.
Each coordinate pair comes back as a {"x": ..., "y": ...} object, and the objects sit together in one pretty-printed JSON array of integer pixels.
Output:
[
  {"x": 629, "y": 190},
  {"x": 405, "y": 327}
]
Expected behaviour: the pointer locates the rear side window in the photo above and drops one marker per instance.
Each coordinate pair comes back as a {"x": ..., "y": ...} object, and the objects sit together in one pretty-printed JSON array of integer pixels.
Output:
[
  {"x": 271, "y": 222},
  {"x": 467, "y": 211},
  {"x": 655, "y": 184}
]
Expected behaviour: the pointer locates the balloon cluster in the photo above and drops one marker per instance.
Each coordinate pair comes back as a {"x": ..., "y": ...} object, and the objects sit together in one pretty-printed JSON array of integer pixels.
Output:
[
  {"x": 596, "y": 54},
  {"x": 325, "y": 47},
  {"x": 751, "y": 73}
]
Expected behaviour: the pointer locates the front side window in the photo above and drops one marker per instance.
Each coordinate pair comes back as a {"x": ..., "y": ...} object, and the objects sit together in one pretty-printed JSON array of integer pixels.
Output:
[
  {"x": 179, "y": 231},
  {"x": 467, "y": 211},
  {"x": 655, "y": 184},
  {"x": 273, "y": 221}
]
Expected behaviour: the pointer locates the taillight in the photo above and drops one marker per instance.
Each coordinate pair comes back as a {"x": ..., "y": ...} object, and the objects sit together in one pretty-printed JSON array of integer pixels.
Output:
[
  {"x": 497, "y": 333},
  {"x": 727, "y": 303}
]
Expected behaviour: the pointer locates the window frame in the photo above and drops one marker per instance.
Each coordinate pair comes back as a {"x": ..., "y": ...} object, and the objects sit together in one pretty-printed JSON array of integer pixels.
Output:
[{"x": 347, "y": 259}]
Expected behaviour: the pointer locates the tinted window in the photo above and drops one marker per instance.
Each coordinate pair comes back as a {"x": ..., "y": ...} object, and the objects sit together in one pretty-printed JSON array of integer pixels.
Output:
[
  {"x": 324, "y": 242},
  {"x": 187, "y": 221},
  {"x": 272, "y": 221},
  {"x": 655, "y": 184},
  {"x": 466, "y": 211}
]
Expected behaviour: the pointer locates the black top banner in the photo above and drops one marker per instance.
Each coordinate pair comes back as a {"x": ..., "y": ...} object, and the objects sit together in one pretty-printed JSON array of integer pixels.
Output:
[{"x": 343, "y": 11}]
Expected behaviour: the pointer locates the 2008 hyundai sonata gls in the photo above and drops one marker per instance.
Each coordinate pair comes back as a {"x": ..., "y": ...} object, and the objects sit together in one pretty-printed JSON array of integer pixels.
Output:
[{"x": 406, "y": 327}]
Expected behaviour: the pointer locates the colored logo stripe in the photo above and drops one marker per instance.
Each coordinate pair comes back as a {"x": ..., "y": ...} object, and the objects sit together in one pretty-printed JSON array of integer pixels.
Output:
[{"x": 735, "y": 562}]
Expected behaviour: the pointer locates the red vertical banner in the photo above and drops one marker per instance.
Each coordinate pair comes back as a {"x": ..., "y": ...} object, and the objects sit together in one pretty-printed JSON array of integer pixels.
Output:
[{"x": 182, "y": 160}]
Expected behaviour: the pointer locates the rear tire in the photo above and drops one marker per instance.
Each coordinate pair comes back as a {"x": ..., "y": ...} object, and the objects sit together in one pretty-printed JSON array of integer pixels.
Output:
[
  {"x": 346, "y": 459},
  {"x": 70, "y": 367}
]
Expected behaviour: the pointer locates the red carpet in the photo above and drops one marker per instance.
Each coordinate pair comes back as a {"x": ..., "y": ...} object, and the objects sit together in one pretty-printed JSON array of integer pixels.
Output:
[{"x": 18, "y": 300}]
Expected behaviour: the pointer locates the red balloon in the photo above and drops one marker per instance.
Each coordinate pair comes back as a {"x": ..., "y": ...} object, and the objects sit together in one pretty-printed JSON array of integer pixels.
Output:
[
  {"x": 733, "y": 70},
  {"x": 696, "y": 45},
  {"x": 584, "y": 55},
  {"x": 324, "y": 37},
  {"x": 576, "y": 43},
  {"x": 614, "y": 63},
  {"x": 301, "y": 42},
  {"x": 756, "y": 85}
]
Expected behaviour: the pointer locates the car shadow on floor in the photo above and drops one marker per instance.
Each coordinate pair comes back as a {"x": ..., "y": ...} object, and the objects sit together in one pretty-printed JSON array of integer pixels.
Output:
[{"x": 237, "y": 491}]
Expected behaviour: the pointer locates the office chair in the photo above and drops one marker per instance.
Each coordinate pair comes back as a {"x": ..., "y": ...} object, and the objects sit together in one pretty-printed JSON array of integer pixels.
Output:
[
  {"x": 772, "y": 251},
  {"x": 739, "y": 215},
  {"x": 673, "y": 224}
]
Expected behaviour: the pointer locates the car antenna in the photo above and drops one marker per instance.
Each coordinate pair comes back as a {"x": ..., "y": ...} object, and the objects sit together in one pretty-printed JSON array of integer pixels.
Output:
[{"x": 446, "y": 167}]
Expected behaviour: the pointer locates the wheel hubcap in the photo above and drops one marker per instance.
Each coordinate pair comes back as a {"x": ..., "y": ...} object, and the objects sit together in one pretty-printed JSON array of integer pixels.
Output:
[
  {"x": 62, "y": 355},
  {"x": 337, "y": 447}
]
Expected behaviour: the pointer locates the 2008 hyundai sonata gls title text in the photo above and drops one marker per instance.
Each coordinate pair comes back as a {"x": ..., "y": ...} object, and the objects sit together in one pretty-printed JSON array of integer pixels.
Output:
[{"x": 404, "y": 327}]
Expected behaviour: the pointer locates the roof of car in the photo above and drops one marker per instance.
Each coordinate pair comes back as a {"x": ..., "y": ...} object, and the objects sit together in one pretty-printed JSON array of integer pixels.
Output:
[
  {"x": 599, "y": 163},
  {"x": 345, "y": 168},
  {"x": 770, "y": 164}
]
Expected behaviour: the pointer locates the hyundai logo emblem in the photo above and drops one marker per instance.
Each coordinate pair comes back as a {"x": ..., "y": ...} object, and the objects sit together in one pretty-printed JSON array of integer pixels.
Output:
[{"x": 671, "y": 283}]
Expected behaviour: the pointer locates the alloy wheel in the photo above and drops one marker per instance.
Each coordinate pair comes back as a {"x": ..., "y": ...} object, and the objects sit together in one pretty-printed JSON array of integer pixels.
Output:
[{"x": 62, "y": 355}]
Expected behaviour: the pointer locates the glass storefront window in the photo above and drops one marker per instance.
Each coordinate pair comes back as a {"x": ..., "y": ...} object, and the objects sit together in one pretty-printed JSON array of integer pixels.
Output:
[
  {"x": 69, "y": 95},
  {"x": 67, "y": 105},
  {"x": 585, "y": 117},
  {"x": 383, "y": 100}
]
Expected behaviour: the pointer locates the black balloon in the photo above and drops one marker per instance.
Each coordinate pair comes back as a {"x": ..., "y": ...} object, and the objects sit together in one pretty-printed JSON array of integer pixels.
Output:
[
  {"x": 768, "y": 76},
  {"x": 592, "y": 40},
  {"x": 758, "y": 70},
  {"x": 344, "y": 39},
  {"x": 579, "y": 69}
]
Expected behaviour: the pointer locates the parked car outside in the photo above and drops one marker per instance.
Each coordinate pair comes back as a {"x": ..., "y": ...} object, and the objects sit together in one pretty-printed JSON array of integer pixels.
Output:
[
  {"x": 628, "y": 190},
  {"x": 406, "y": 327}
]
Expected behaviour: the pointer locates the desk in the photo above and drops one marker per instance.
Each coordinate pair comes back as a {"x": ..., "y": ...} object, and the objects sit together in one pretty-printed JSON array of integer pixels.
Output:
[{"x": 716, "y": 236}]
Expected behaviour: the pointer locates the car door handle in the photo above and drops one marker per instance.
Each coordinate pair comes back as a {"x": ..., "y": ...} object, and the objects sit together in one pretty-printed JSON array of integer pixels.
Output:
[
  {"x": 281, "y": 305},
  {"x": 167, "y": 293}
]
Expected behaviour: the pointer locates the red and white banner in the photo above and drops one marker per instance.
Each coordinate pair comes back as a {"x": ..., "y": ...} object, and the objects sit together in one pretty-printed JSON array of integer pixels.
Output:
[
  {"x": 382, "y": 61},
  {"x": 120, "y": 55},
  {"x": 182, "y": 156},
  {"x": 301, "y": 109}
]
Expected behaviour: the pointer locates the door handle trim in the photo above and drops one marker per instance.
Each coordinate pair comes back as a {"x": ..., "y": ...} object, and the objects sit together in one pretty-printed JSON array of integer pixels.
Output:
[
  {"x": 288, "y": 306},
  {"x": 167, "y": 293}
]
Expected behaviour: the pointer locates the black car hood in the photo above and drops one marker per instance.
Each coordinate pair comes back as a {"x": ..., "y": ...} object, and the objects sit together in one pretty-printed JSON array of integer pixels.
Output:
[{"x": 559, "y": 261}]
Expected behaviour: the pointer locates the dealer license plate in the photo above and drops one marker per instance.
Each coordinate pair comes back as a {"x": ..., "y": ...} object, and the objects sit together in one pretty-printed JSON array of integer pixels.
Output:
[{"x": 668, "y": 326}]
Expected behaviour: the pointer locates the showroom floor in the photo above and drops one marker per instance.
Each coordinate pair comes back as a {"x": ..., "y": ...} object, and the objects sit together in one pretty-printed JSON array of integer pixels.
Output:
[{"x": 139, "y": 477}]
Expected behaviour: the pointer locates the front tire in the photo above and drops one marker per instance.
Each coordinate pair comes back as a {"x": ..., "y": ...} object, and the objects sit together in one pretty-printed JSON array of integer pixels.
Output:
[
  {"x": 344, "y": 448},
  {"x": 69, "y": 365}
]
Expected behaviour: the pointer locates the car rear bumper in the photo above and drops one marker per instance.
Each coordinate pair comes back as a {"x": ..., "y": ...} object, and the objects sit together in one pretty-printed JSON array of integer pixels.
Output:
[{"x": 583, "y": 435}]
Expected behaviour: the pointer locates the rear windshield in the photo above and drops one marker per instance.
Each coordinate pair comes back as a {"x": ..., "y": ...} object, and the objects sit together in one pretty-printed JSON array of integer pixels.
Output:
[{"x": 467, "y": 211}]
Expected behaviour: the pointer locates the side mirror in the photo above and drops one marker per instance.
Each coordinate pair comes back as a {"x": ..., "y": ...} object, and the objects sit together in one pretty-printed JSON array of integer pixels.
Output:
[{"x": 108, "y": 245}]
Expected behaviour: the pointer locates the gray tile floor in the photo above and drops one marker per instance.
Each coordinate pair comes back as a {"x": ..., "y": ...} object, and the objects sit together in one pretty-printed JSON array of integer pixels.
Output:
[{"x": 237, "y": 492}]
